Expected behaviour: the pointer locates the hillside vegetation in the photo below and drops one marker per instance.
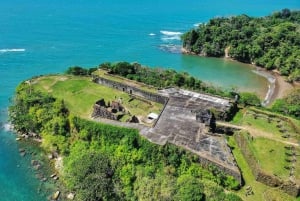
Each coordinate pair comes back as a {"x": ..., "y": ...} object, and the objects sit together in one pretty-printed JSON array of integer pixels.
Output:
[{"x": 272, "y": 42}]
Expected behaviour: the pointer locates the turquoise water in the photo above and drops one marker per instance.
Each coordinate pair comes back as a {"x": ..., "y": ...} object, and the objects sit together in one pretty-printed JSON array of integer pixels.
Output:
[{"x": 40, "y": 37}]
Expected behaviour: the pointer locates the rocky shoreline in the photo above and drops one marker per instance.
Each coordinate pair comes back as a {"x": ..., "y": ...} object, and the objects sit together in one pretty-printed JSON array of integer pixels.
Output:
[{"x": 44, "y": 167}]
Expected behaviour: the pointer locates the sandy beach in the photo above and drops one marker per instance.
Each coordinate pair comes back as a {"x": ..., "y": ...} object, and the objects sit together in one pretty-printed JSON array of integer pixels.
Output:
[
  {"x": 278, "y": 87},
  {"x": 282, "y": 88}
]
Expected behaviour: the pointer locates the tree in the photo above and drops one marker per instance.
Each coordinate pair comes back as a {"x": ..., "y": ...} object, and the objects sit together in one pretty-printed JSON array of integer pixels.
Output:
[
  {"x": 189, "y": 188},
  {"x": 289, "y": 105},
  {"x": 247, "y": 98},
  {"x": 92, "y": 179},
  {"x": 179, "y": 79}
]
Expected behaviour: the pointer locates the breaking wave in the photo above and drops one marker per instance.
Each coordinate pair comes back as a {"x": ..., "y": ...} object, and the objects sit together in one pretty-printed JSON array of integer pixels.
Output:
[
  {"x": 197, "y": 24},
  {"x": 271, "y": 88},
  {"x": 171, "y": 33},
  {"x": 7, "y": 126},
  {"x": 12, "y": 50},
  {"x": 170, "y": 38},
  {"x": 152, "y": 34}
]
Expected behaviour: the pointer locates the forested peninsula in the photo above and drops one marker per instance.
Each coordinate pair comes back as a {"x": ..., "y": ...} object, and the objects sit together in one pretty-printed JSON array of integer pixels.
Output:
[
  {"x": 108, "y": 162},
  {"x": 271, "y": 42},
  {"x": 100, "y": 161}
]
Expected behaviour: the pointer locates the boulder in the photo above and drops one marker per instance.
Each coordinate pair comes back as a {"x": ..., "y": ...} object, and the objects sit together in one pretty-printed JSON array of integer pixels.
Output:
[
  {"x": 71, "y": 196},
  {"x": 22, "y": 154},
  {"x": 50, "y": 156},
  {"x": 55, "y": 196}
]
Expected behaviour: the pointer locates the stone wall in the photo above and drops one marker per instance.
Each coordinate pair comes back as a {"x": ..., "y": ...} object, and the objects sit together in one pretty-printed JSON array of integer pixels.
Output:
[
  {"x": 236, "y": 174},
  {"x": 100, "y": 111},
  {"x": 131, "y": 90},
  {"x": 270, "y": 180}
]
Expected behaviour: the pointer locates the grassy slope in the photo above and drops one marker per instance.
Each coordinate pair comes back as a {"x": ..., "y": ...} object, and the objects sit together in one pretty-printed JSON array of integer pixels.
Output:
[
  {"x": 269, "y": 150},
  {"x": 271, "y": 157},
  {"x": 261, "y": 191},
  {"x": 80, "y": 94}
]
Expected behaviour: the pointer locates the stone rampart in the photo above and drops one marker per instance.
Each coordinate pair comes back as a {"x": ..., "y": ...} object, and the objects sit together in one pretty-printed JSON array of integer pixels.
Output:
[
  {"x": 131, "y": 90},
  {"x": 206, "y": 163}
]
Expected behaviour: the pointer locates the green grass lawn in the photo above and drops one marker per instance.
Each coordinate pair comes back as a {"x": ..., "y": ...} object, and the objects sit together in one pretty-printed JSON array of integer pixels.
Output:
[
  {"x": 271, "y": 156},
  {"x": 80, "y": 94},
  {"x": 263, "y": 124},
  {"x": 261, "y": 192},
  {"x": 271, "y": 127},
  {"x": 297, "y": 165}
]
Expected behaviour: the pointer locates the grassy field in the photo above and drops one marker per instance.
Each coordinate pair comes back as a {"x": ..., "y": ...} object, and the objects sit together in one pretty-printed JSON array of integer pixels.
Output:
[
  {"x": 271, "y": 156},
  {"x": 261, "y": 192},
  {"x": 268, "y": 146},
  {"x": 80, "y": 94},
  {"x": 274, "y": 128}
]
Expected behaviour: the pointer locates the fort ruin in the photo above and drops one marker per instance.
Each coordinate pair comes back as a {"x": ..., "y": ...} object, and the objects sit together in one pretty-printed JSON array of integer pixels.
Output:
[{"x": 188, "y": 119}]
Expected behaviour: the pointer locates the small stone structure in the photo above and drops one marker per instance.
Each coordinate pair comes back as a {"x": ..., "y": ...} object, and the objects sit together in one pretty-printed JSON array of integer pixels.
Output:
[{"x": 107, "y": 112}]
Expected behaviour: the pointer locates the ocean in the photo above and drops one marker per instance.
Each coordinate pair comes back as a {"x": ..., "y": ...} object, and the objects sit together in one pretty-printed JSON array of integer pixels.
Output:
[{"x": 41, "y": 37}]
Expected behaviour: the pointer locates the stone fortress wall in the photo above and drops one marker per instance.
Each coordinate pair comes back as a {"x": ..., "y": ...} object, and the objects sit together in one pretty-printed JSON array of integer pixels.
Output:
[
  {"x": 131, "y": 90},
  {"x": 177, "y": 124}
]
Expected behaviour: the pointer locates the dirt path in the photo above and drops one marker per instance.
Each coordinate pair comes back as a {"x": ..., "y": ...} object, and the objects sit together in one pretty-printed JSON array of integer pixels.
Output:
[{"x": 257, "y": 133}]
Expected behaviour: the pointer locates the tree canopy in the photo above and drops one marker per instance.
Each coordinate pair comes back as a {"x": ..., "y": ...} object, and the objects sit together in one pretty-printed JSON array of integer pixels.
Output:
[
  {"x": 289, "y": 105},
  {"x": 272, "y": 42}
]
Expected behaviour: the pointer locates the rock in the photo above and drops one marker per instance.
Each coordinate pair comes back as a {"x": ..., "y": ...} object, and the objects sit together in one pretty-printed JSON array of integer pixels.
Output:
[
  {"x": 55, "y": 196},
  {"x": 56, "y": 178},
  {"x": 23, "y": 153},
  {"x": 71, "y": 196},
  {"x": 37, "y": 167},
  {"x": 53, "y": 175},
  {"x": 50, "y": 156},
  {"x": 24, "y": 136},
  {"x": 36, "y": 164},
  {"x": 18, "y": 139}
]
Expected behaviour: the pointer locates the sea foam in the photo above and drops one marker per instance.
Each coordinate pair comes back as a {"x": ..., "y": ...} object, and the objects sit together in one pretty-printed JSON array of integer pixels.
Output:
[
  {"x": 12, "y": 50},
  {"x": 170, "y": 38},
  {"x": 171, "y": 33},
  {"x": 7, "y": 127},
  {"x": 197, "y": 24}
]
